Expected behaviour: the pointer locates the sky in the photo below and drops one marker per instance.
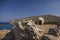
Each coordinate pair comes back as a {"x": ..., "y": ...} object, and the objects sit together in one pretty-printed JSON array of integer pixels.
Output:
[{"x": 13, "y": 9}]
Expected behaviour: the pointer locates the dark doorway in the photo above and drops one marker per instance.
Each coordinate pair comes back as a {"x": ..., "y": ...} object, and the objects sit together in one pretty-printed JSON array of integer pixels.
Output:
[{"x": 38, "y": 22}]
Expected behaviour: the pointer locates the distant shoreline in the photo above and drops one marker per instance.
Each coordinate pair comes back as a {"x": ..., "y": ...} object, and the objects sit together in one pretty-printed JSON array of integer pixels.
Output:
[
  {"x": 4, "y": 22},
  {"x": 5, "y": 25}
]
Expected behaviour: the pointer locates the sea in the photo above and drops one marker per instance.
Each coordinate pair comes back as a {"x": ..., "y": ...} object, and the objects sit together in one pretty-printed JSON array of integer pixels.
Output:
[{"x": 5, "y": 26}]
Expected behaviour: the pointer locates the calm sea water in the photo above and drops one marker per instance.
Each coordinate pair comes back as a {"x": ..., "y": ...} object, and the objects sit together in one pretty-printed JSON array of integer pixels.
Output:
[{"x": 5, "y": 25}]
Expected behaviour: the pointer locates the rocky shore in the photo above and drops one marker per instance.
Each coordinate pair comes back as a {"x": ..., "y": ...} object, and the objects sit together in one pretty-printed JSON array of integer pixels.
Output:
[{"x": 45, "y": 27}]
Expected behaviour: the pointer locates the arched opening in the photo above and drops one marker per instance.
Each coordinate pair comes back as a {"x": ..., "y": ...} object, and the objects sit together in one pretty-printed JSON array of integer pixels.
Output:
[{"x": 40, "y": 22}]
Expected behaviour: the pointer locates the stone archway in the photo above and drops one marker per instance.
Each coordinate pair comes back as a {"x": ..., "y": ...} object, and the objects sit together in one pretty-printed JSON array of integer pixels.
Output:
[
  {"x": 41, "y": 20},
  {"x": 38, "y": 22}
]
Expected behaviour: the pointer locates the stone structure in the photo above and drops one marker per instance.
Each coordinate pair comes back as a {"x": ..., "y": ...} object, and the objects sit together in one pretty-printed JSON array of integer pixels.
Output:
[{"x": 48, "y": 20}]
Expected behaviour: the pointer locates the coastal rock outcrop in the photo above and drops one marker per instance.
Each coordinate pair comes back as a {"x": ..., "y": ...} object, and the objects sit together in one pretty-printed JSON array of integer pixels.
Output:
[{"x": 36, "y": 28}]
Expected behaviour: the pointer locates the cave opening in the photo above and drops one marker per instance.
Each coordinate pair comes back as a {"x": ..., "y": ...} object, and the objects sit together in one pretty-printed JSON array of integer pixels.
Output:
[{"x": 39, "y": 22}]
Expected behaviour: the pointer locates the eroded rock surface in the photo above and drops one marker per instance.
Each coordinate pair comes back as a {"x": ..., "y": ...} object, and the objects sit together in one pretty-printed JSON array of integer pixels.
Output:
[{"x": 34, "y": 28}]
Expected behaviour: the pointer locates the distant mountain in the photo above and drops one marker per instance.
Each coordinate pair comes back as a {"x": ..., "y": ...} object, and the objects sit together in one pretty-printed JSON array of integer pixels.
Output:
[
  {"x": 48, "y": 17},
  {"x": 4, "y": 22}
]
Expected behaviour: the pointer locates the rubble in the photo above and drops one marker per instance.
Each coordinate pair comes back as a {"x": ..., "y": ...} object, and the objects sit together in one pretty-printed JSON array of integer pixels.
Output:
[
  {"x": 53, "y": 31},
  {"x": 45, "y": 38}
]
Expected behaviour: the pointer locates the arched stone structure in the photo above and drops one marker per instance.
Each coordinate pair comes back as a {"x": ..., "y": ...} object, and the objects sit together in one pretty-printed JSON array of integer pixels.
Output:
[{"x": 41, "y": 20}]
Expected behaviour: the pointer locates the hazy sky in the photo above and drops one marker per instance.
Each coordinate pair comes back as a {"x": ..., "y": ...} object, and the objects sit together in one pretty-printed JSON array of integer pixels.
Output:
[{"x": 12, "y": 9}]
